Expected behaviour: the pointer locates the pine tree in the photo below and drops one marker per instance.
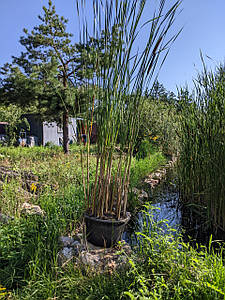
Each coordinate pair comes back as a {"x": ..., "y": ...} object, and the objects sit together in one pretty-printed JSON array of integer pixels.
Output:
[
  {"x": 43, "y": 75},
  {"x": 48, "y": 76}
]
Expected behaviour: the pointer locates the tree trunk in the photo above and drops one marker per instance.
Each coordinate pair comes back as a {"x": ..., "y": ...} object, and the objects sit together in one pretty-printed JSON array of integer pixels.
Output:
[
  {"x": 65, "y": 120},
  {"x": 66, "y": 132}
]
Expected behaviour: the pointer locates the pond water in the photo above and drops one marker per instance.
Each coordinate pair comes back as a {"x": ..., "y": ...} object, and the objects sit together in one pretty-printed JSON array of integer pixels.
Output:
[{"x": 164, "y": 205}]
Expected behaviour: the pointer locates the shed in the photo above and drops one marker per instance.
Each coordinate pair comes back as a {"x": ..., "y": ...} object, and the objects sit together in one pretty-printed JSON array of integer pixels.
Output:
[{"x": 50, "y": 131}]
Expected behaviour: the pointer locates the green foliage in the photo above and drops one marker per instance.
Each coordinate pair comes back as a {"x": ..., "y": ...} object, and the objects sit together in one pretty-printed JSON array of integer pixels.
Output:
[
  {"x": 162, "y": 267},
  {"x": 119, "y": 82},
  {"x": 29, "y": 245},
  {"x": 145, "y": 149},
  {"x": 13, "y": 115},
  {"x": 142, "y": 167},
  {"x": 159, "y": 122},
  {"x": 23, "y": 243},
  {"x": 96, "y": 54},
  {"x": 202, "y": 150},
  {"x": 19, "y": 154},
  {"x": 172, "y": 269}
]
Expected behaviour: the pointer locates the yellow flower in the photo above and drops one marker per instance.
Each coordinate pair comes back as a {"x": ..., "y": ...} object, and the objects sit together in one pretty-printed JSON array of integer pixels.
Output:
[
  {"x": 2, "y": 294},
  {"x": 155, "y": 138},
  {"x": 33, "y": 187},
  {"x": 2, "y": 291}
]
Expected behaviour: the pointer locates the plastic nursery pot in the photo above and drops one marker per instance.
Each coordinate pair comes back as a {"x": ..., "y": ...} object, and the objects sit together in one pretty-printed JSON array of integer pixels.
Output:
[{"x": 105, "y": 233}]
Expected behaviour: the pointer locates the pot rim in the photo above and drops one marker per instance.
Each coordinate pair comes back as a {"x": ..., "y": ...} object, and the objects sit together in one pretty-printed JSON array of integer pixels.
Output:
[{"x": 109, "y": 221}]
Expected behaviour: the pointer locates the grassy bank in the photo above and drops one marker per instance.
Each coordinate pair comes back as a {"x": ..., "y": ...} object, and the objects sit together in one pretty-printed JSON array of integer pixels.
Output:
[
  {"x": 162, "y": 267},
  {"x": 28, "y": 245}
]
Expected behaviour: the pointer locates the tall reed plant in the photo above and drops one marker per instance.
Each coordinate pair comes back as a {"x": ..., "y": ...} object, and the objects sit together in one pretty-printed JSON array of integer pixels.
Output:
[
  {"x": 121, "y": 72},
  {"x": 202, "y": 153}
]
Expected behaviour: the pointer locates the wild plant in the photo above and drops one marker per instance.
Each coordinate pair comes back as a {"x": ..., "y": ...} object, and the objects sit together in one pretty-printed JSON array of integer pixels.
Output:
[
  {"x": 201, "y": 163},
  {"x": 167, "y": 268}
]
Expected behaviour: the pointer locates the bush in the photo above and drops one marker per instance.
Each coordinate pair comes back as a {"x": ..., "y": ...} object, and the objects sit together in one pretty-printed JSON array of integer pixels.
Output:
[
  {"x": 51, "y": 145},
  {"x": 159, "y": 122},
  {"x": 145, "y": 149}
]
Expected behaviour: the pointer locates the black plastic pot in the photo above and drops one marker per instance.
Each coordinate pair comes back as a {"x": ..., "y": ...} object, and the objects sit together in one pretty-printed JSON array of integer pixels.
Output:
[{"x": 104, "y": 233}]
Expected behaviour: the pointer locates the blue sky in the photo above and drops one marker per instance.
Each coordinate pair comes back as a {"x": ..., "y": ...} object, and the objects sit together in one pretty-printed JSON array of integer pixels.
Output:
[{"x": 203, "y": 22}]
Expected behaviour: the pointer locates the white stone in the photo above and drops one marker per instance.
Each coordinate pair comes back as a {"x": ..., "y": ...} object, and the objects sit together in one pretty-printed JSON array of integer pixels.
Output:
[
  {"x": 89, "y": 259},
  {"x": 67, "y": 252},
  {"x": 31, "y": 209},
  {"x": 66, "y": 241},
  {"x": 143, "y": 195},
  {"x": 65, "y": 255}
]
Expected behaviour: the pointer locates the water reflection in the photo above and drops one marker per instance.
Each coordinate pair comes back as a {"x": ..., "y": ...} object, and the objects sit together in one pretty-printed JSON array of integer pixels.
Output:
[{"x": 164, "y": 201}]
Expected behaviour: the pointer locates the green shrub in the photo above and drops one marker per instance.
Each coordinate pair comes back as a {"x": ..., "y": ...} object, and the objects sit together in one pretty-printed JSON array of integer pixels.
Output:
[
  {"x": 159, "y": 123},
  {"x": 145, "y": 149}
]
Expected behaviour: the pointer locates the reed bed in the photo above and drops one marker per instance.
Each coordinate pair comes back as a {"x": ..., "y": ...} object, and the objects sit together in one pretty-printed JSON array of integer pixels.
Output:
[
  {"x": 202, "y": 152},
  {"x": 120, "y": 76}
]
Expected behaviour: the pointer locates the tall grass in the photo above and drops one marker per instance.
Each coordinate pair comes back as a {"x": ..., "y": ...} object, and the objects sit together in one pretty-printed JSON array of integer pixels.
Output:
[
  {"x": 121, "y": 75},
  {"x": 143, "y": 167},
  {"x": 168, "y": 268},
  {"x": 202, "y": 153}
]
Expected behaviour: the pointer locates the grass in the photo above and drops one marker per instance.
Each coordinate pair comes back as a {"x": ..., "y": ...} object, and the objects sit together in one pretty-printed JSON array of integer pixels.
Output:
[
  {"x": 162, "y": 267},
  {"x": 202, "y": 151},
  {"x": 143, "y": 167}
]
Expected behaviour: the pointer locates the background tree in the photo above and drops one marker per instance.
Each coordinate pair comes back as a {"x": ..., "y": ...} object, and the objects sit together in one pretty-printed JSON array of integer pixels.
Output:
[
  {"x": 159, "y": 119},
  {"x": 13, "y": 116},
  {"x": 43, "y": 75}
]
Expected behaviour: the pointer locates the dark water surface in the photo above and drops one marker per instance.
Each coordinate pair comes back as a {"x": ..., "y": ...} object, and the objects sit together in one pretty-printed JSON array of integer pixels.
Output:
[{"x": 166, "y": 205}]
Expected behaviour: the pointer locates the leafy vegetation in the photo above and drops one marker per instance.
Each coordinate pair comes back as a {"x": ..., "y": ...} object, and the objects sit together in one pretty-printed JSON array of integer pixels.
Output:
[
  {"x": 168, "y": 268},
  {"x": 162, "y": 266},
  {"x": 12, "y": 114},
  {"x": 159, "y": 124},
  {"x": 140, "y": 168},
  {"x": 29, "y": 244}
]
